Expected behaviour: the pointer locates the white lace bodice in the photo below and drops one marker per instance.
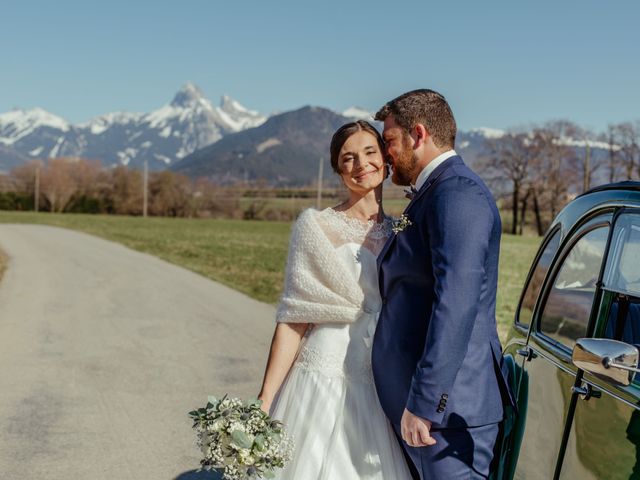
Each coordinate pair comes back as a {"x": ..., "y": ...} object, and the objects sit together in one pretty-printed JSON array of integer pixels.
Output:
[
  {"x": 344, "y": 350},
  {"x": 342, "y": 229}
]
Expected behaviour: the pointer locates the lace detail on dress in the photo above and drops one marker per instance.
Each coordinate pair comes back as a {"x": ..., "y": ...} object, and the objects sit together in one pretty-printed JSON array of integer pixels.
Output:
[
  {"x": 333, "y": 365},
  {"x": 340, "y": 228},
  {"x": 312, "y": 359}
]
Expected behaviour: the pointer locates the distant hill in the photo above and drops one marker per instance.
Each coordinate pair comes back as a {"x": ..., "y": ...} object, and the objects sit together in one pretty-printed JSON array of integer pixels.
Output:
[
  {"x": 9, "y": 158},
  {"x": 284, "y": 151}
]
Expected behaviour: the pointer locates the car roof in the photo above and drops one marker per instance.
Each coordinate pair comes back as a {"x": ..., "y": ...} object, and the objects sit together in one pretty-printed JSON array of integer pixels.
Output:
[
  {"x": 626, "y": 185},
  {"x": 620, "y": 194}
]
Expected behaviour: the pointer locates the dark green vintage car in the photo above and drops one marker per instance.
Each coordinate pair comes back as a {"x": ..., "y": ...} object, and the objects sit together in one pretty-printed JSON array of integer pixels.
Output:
[{"x": 572, "y": 350}]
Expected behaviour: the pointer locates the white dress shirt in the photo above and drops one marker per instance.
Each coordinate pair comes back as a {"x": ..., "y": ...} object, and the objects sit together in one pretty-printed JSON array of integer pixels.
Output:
[{"x": 431, "y": 166}]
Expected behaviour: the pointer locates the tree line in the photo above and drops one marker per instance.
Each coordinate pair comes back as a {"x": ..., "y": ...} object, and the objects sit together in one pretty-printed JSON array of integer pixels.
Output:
[
  {"x": 76, "y": 185},
  {"x": 85, "y": 186},
  {"x": 532, "y": 172},
  {"x": 536, "y": 171}
]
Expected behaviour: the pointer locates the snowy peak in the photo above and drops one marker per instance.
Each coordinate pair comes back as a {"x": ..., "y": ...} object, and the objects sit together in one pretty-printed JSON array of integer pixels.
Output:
[
  {"x": 236, "y": 116},
  {"x": 188, "y": 96},
  {"x": 358, "y": 113},
  {"x": 488, "y": 132},
  {"x": 231, "y": 106},
  {"x": 102, "y": 123},
  {"x": 19, "y": 123}
]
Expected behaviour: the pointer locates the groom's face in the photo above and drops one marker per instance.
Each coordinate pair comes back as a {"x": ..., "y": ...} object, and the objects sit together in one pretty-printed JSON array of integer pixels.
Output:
[{"x": 400, "y": 152}]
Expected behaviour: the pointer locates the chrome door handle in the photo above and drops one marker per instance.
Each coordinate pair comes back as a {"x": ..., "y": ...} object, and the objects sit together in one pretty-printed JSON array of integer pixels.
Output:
[
  {"x": 586, "y": 391},
  {"x": 527, "y": 353}
]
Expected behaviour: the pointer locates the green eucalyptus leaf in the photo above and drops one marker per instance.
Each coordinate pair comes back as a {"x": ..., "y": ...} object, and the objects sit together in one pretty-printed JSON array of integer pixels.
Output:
[
  {"x": 259, "y": 441},
  {"x": 241, "y": 439}
]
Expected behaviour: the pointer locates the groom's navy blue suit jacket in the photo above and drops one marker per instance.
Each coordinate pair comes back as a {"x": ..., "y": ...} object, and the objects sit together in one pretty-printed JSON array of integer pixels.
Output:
[{"x": 436, "y": 350}]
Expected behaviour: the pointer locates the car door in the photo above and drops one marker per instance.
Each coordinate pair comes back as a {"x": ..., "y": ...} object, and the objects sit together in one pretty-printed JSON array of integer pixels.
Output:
[
  {"x": 604, "y": 438},
  {"x": 562, "y": 314}
]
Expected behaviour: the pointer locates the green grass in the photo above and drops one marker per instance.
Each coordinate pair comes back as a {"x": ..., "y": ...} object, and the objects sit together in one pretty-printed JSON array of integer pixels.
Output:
[
  {"x": 516, "y": 255},
  {"x": 249, "y": 256},
  {"x": 392, "y": 206}
]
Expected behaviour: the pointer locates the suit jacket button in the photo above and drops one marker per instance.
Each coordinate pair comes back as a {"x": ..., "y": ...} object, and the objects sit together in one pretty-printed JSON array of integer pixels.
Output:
[
  {"x": 445, "y": 396},
  {"x": 384, "y": 300},
  {"x": 440, "y": 410}
]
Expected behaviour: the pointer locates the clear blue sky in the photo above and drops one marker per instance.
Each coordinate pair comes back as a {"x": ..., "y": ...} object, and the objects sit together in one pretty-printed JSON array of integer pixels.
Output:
[{"x": 500, "y": 63}]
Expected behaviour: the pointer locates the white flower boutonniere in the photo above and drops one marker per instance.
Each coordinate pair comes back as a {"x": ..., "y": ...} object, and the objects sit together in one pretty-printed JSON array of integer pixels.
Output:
[{"x": 401, "y": 223}]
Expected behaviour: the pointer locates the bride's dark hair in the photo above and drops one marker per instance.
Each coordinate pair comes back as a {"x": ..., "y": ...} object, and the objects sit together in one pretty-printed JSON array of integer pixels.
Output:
[{"x": 344, "y": 132}]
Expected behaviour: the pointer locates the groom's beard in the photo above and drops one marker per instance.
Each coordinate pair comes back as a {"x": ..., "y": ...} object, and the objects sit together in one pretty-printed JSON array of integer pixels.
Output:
[{"x": 403, "y": 167}]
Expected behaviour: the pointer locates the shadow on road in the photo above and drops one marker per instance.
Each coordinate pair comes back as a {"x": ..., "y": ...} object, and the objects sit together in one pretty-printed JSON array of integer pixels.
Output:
[{"x": 199, "y": 475}]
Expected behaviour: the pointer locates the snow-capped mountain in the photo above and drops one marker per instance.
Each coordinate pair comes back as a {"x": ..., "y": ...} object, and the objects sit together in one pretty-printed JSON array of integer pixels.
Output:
[
  {"x": 357, "y": 113},
  {"x": 163, "y": 136}
]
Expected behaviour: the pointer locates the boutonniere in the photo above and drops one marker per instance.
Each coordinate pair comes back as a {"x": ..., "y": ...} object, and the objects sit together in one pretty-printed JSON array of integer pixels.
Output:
[{"x": 401, "y": 223}]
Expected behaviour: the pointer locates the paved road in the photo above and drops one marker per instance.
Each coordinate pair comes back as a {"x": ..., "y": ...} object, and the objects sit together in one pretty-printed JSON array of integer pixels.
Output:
[{"x": 104, "y": 350}]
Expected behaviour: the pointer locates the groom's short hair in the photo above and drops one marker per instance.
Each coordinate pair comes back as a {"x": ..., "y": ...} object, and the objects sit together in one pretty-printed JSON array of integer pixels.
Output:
[{"x": 427, "y": 107}]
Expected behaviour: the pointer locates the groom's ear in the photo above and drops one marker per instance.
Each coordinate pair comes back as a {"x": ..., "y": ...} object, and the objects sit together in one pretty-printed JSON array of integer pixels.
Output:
[{"x": 421, "y": 135}]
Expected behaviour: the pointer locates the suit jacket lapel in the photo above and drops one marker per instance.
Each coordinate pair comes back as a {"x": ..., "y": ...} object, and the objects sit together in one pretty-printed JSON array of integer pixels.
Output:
[
  {"x": 449, "y": 162},
  {"x": 419, "y": 194}
]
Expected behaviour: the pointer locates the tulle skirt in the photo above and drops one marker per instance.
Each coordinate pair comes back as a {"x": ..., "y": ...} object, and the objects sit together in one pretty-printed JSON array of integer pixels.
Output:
[{"x": 338, "y": 427}]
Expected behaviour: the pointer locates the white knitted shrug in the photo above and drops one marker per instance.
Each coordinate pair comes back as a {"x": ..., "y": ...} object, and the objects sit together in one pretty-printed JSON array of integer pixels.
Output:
[{"x": 318, "y": 288}]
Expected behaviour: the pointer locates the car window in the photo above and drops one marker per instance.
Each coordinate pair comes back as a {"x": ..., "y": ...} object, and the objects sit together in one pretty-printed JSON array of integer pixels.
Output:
[
  {"x": 623, "y": 321},
  {"x": 623, "y": 266},
  {"x": 567, "y": 308},
  {"x": 525, "y": 313}
]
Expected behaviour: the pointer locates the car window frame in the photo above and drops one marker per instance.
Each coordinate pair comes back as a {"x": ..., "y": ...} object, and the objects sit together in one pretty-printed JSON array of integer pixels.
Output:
[
  {"x": 525, "y": 328},
  {"x": 619, "y": 213},
  {"x": 595, "y": 220},
  {"x": 629, "y": 393}
]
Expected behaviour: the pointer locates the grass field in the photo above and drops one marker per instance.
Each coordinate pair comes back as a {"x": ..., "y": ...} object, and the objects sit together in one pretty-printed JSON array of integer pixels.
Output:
[
  {"x": 248, "y": 255},
  {"x": 392, "y": 206}
]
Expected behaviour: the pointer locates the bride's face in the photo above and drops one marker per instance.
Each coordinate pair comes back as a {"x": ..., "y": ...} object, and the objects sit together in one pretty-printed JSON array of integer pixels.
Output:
[{"x": 361, "y": 163}]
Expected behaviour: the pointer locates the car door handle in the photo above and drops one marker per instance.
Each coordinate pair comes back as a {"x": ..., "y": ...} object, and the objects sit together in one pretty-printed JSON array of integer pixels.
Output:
[
  {"x": 527, "y": 353},
  {"x": 586, "y": 391}
]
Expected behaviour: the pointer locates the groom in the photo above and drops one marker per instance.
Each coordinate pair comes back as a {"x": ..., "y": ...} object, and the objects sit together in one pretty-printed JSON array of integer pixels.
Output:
[{"x": 437, "y": 360}]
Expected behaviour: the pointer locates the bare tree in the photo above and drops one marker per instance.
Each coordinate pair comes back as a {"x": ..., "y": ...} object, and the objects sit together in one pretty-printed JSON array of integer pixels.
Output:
[
  {"x": 506, "y": 167},
  {"x": 23, "y": 177},
  {"x": 582, "y": 140},
  {"x": 627, "y": 138},
  {"x": 124, "y": 194},
  {"x": 557, "y": 165},
  {"x": 170, "y": 194},
  {"x": 58, "y": 184}
]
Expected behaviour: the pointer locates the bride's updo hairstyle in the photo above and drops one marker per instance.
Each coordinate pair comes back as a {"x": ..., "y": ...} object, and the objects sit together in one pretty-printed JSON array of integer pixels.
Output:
[{"x": 344, "y": 132}]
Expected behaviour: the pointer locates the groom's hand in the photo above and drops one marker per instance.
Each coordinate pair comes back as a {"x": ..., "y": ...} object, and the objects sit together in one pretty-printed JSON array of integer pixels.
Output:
[{"x": 415, "y": 430}]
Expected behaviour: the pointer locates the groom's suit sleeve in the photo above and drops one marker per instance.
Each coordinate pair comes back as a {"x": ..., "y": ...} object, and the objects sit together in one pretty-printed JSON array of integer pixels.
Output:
[{"x": 459, "y": 220}]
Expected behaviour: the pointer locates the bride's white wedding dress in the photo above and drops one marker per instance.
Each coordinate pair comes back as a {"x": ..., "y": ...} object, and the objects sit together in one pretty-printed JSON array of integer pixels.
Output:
[{"x": 328, "y": 401}]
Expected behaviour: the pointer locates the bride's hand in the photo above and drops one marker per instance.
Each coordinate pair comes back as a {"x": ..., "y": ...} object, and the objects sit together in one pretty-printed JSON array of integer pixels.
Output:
[{"x": 265, "y": 406}]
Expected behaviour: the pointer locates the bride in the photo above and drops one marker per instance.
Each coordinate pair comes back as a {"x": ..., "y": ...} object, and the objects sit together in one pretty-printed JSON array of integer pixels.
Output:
[{"x": 318, "y": 378}]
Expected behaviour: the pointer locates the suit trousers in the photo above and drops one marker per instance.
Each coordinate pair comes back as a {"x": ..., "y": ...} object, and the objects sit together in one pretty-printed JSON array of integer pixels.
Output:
[{"x": 460, "y": 453}]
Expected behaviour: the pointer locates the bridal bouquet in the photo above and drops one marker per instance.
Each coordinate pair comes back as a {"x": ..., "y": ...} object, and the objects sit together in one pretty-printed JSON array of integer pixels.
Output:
[{"x": 239, "y": 440}]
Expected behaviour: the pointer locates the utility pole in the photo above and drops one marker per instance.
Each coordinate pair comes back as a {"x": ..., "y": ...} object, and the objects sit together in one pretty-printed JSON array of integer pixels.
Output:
[
  {"x": 319, "y": 197},
  {"x": 145, "y": 190},
  {"x": 36, "y": 192}
]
